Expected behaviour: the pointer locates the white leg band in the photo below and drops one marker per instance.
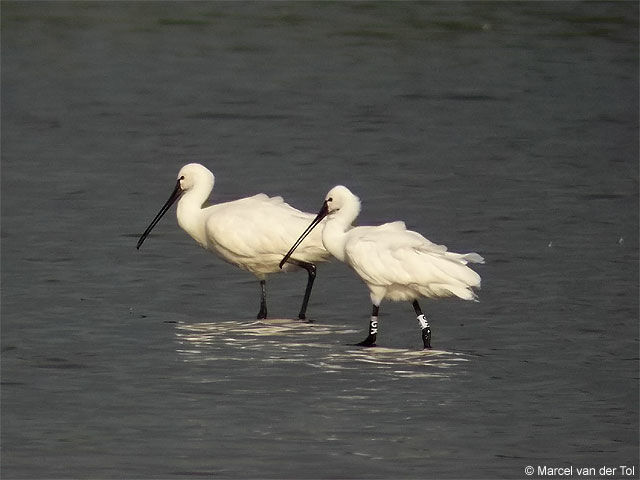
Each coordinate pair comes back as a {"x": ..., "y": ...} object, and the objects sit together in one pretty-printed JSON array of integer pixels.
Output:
[
  {"x": 422, "y": 320},
  {"x": 373, "y": 325}
]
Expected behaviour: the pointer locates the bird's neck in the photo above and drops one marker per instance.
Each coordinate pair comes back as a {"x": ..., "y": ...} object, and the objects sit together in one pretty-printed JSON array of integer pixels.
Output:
[
  {"x": 191, "y": 216},
  {"x": 334, "y": 236}
]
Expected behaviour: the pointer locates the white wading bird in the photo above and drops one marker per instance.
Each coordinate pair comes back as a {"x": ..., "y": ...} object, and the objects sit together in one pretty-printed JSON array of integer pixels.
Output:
[
  {"x": 252, "y": 233},
  {"x": 394, "y": 262}
]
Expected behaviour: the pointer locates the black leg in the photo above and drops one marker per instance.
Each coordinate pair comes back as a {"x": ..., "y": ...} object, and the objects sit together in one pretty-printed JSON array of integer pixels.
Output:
[
  {"x": 311, "y": 270},
  {"x": 370, "y": 341},
  {"x": 262, "y": 314},
  {"x": 424, "y": 325},
  {"x": 416, "y": 307}
]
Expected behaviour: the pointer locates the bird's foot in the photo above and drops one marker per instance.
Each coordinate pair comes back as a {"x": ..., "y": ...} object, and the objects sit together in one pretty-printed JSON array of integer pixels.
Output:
[
  {"x": 304, "y": 318},
  {"x": 370, "y": 341}
]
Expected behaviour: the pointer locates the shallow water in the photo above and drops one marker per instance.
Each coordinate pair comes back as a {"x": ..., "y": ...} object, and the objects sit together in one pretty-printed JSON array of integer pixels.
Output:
[{"x": 508, "y": 129}]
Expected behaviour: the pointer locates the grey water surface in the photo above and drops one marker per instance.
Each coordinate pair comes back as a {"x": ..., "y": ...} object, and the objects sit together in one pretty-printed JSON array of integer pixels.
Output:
[{"x": 507, "y": 128}]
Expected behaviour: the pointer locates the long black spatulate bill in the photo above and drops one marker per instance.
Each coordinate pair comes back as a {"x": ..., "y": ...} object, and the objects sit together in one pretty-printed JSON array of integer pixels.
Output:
[
  {"x": 321, "y": 214},
  {"x": 175, "y": 195}
]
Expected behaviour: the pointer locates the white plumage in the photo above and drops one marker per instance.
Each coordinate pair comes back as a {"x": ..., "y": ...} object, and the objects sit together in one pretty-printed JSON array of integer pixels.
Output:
[
  {"x": 252, "y": 233},
  {"x": 394, "y": 262},
  {"x": 400, "y": 264}
]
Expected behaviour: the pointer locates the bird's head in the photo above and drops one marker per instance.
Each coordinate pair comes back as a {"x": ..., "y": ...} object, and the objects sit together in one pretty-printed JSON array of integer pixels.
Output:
[{"x": 195, "y": 175}]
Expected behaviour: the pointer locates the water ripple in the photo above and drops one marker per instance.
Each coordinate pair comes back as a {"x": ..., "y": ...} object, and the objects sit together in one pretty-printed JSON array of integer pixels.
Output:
[{"x": 283, "y": 341}]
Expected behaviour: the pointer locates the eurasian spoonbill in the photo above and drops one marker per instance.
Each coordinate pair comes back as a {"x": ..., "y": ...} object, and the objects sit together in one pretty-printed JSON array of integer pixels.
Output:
[
  {"x": 394, "y": 262},
  {"x": 252, "y": 233}
]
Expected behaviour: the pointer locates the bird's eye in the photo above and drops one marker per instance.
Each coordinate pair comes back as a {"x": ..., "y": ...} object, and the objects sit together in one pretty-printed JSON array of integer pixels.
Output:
[
  {"x": 329, "y": 199},
  {"x": 181, "y": 178}
]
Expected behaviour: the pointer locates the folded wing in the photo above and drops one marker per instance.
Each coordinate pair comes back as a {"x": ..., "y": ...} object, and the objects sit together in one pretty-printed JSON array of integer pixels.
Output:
[
  {"x": 262, "y": 228},
  {"x": 390, "y": 255}
]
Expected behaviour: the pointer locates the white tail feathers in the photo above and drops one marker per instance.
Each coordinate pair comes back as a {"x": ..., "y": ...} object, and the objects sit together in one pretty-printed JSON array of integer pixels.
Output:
[
  {"x": 465, "y": 258},
  {"x": 464, "y": 293},
  {"x": 473, "y": 257},
  {"x": 454, "y": 277}
]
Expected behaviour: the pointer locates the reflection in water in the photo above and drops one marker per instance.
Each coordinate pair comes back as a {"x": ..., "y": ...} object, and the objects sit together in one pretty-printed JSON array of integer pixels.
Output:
[{"x": 315, "y": 345}]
